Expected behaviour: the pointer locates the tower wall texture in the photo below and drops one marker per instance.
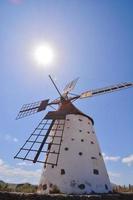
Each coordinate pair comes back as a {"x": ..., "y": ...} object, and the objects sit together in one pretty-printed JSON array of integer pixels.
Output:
[{"x": 80, "y": 168}]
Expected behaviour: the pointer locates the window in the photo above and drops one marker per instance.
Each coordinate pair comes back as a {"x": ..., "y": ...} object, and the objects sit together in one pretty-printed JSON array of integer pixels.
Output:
[
  {"x": 80, "y": 153},
  {"x": 106, "y": 187},
  {"x": 66, "y": 148},
  {"x": 52, "y": 166},
  {"x": 88, "y": 132},
  {"x": 44, "y": 186},
  {"x": 100, "y": 154},
  {"x": 62, "y": 171},
  {"x": 93, "y": 158},
  {"x": 72, "y": 139},
  {"x": 68, "y": 119},
  {"x": 82, "y": 140},
  {"x": 80, "y": 120},
  {"x": 81, "y": 186},
  {"x": 49, "y": 145},
  {"x": 95, "y": 171},
  {"x": 92, "y": 142},
  {"x": 80, "y": 130}
]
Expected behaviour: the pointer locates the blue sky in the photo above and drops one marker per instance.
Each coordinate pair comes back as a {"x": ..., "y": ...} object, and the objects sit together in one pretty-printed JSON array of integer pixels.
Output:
[{"x": 93, "y": 40}]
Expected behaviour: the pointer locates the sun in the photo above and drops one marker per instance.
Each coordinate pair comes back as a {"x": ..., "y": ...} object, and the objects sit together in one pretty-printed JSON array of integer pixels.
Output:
[{"x": 44, "y": 54}]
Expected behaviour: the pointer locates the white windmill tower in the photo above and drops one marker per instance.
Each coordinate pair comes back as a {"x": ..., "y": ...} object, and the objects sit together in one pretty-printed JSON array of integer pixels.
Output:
[{"x": 65, "y": 141}]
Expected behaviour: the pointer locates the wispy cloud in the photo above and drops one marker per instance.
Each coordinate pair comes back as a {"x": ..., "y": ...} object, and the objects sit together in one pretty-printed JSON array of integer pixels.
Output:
[
  {"x": 24, "y": 164},
  {"x": 114, "y": 174},
  {"x": 9, "y": 138},
  {"x": 15, "y": 139},
  {"x": 17, "y": 174},
  {"x": 1, "y": 162},
  {"x": 111, "y": 158},
  {"x": 128, "y": 160}
]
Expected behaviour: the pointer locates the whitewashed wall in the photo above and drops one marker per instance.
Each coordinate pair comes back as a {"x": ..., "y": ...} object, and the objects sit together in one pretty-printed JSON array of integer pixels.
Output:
[{"x": 79, "y": 156}]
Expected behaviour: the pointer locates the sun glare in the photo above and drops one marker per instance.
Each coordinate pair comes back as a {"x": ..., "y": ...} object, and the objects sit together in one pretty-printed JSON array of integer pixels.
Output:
[{"x": 44, "y": 54}]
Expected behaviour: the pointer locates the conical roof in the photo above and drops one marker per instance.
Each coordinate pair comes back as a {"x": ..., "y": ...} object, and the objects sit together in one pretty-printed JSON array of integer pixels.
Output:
[{"x": 65, "y": 108}]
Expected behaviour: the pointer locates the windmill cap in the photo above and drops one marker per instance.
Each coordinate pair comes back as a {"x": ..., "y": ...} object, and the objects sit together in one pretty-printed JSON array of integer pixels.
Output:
[{"x": 66, "y": 108}]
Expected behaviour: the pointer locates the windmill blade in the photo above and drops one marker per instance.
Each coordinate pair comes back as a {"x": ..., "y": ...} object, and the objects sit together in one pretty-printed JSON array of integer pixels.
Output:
[
  {"x": 70, "y": 86},
  {"x": 31, "y": 148},
  {"x": 105, "y": 90},
  {"x": 31, "y": 108},
  {"x": 45, "y": 139},
  {"x": 43, "y": 142}
]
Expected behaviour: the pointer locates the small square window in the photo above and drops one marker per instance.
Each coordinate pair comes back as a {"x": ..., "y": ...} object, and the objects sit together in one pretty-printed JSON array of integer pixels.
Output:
[
  {"x": 95, "y": 171},
  {"x": 100, "y": 154},
  {"x": 44, "y": 186},
  {"x": 62, "y": 171},
  {"x": 66, "y": 148}
]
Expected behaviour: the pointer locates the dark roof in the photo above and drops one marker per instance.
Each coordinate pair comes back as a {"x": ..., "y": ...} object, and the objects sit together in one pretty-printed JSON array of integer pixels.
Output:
[{"x": 65, "y": 108}]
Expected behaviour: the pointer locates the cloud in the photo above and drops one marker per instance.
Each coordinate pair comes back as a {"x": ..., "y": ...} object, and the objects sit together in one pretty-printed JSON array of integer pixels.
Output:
[
  {"x": 24, "y": 164},
  {"x": 9, "y": 138},
  {"x": 128, "y": 160},
  {"x": 110, "y": 158},
  {"x": 17, "y": 174},
  {"x": 114, "y": 174},
  {"x": 15, "y": 139},
  {"x": 1, "y": 162}
]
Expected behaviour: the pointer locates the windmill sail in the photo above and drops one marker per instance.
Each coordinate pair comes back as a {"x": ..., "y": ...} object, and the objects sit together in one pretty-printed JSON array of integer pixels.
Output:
[
  {"x": 105, "y": 90},
  {"x": 70, "y": 86},
  {"x": 45, "y": 140},
  {"x": 31, "y": 108}
]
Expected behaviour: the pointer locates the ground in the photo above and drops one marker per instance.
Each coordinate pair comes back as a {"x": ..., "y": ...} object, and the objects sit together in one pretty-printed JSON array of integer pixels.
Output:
[{"x": 31, "y": 196}]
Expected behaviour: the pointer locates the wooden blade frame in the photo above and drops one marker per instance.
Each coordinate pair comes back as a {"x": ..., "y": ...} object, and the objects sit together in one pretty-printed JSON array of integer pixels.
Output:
[
  {"x": 42, "y": 141},
  {"x": 70, "y": 86},
  {"x": 105, "y": 90},
  {"x": 31, "y": 108}
]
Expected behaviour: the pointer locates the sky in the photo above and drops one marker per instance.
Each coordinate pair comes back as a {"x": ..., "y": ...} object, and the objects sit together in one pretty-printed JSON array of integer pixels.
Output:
[{"x": 92, "y": 40}]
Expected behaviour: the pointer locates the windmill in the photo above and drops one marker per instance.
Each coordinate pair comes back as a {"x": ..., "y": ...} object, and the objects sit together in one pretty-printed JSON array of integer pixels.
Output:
[{"x": 65, "y": 141}]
